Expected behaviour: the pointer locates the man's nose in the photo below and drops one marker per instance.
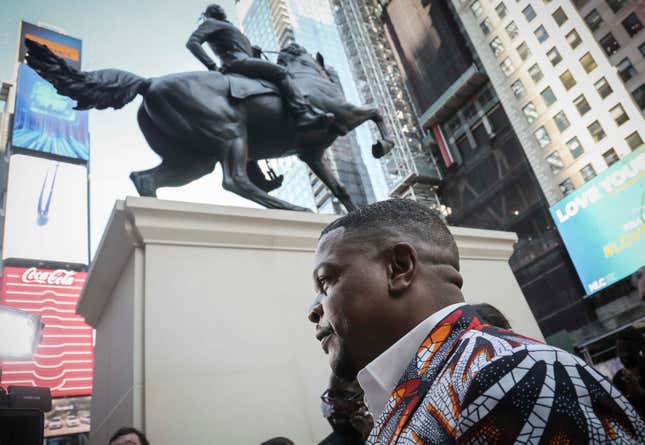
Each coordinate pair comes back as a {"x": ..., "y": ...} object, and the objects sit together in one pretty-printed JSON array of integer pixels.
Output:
[{"x": 316, "y": 310}]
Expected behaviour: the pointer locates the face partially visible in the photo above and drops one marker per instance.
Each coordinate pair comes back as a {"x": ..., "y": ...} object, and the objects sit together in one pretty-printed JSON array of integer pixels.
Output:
[
  {"x": 352, "y": 296},
  {"x": 127, "y": 439}
]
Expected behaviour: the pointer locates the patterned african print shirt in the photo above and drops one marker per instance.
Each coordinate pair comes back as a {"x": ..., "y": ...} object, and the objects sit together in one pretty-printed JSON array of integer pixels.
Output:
[{"x": 472, "y": 383}]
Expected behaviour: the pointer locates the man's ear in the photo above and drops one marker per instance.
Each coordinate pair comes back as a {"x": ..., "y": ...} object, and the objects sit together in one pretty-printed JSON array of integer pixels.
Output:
[{"x": 402, "y": 268}]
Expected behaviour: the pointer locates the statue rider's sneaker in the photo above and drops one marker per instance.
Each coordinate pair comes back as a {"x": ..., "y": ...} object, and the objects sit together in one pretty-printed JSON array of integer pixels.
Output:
[{"x": 314, "y": 121}]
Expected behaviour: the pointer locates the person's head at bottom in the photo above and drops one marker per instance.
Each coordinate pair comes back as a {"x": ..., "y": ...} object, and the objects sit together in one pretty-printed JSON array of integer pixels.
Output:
[
  {"x": 128, "y": 436},
  {"x": 380, "y": 271},
  {"x": 344, "y": 408}
]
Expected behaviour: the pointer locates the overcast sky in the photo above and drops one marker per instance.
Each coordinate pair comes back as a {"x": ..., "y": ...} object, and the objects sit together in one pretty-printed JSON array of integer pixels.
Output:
[{"x": 146, "y": 37}]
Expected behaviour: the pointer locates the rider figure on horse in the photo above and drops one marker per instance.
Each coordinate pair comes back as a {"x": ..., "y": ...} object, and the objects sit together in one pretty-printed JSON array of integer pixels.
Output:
[{"x": 238, "y": 56}]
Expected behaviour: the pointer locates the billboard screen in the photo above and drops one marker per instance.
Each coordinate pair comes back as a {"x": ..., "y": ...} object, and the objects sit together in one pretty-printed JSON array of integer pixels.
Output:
[
  {"x": 430, "y": 46},
  {"x": 603, "y": 223},
  {"x": 64, "y": 359},
  {"x": 46, "y": 214},
  {"x": 45, "y": 121},
  {"x": 69, "y": 415},
  {"x": 62, "y": 45}
]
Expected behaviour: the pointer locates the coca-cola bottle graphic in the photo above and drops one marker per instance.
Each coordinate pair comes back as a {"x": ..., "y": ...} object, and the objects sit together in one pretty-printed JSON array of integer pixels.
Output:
[{"x": 45, "y": 197}]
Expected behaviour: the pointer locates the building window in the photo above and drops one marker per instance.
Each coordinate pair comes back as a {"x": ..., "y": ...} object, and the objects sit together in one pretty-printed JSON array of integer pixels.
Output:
[
  {"x": 536, "y": 73},
  {"x": 567, "y": 79},
  {"x": 530, "y": 112},
  {"x": 566, "y": 187},
  {"x": 554, "y": 56},
  {"x": 518, "y": 88},
  {"x": 619, "y": 115},
  {"x": 639, "y": 96},
  {"x": 486, "y": 26},
  {"x": 541, "y": 34},
  {"x": 581, "y": 104},
  {"x": 523, "y": 51},
  {"x": 573, "y": 39},
  {"x": 615, "y": 5},
  {"x": 575, "y": 148},
  {"x": 634, "y": 140},
  {"x": 588, "y": 172},
  {"x": 542, "y": 136},
  {"x": 507, "y": 66},
  {"x": 561, "y": 121},
  {"x": 548, "y": 96},
  {"x": 609, "y": 44},
  {"x": 594, "y": 20},
  {"x": 529, "y": 13},
  {"x": 596, "y": 131},
  {"x": 632, "y": 24},
  {"x": 625, "y": 69},
  {"x": 501, "y": 10},
  {"x": 512, "y": 30},
  {"x": 603, "y": 88},
  {"x": 610, "y": 157},
  {"x": 588, "y": 63},
  {"x": 497, "y": 46},
  {"x": 560, "y": 16},
  {"x": 555, "y": 162}
]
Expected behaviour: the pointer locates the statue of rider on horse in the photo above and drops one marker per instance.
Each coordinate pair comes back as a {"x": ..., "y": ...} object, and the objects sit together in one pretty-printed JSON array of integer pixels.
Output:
[{"x": 248, "y": 110}]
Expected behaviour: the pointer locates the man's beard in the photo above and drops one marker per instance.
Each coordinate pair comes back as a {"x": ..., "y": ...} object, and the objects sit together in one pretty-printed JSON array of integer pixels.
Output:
[{"x": 341, "y": 364}]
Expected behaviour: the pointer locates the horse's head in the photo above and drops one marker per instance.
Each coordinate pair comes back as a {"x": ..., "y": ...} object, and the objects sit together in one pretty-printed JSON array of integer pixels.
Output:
[{"x": 299, "y": 62}]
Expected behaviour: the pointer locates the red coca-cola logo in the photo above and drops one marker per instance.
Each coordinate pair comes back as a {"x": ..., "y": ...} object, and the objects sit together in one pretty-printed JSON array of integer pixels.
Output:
[{"x": 58, "y": 277}]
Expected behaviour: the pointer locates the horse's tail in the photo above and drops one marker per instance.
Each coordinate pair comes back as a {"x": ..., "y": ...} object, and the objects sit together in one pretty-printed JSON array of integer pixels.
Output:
[{"x": 91, "y": 89}]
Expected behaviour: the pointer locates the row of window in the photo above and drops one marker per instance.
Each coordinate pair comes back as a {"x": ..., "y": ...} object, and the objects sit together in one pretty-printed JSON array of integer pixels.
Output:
[{"x": 587, "y": 172}]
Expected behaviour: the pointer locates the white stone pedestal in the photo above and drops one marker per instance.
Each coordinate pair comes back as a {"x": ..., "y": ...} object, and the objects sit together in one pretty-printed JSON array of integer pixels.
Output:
[{"x": 200, "y": 317}]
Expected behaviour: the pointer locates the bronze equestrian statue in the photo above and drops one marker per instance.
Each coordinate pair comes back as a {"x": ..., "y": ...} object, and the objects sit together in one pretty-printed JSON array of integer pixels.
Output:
[{"x": 194, "y": 120}]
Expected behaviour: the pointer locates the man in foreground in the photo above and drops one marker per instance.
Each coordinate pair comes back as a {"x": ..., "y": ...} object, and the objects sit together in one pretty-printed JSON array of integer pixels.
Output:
[{"x": 389, "y": 311}]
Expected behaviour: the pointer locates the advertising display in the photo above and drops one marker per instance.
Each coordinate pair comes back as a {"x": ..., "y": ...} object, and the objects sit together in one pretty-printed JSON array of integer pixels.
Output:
[
  {"x": 64, "y": 358},
  {"x": 46, "y": 213},
  {"x": 603, "y": 223},
  {"x": 47, "y": 122},
  {"x": 67, "y": 47},
  {"x": 69, "y": 415}
]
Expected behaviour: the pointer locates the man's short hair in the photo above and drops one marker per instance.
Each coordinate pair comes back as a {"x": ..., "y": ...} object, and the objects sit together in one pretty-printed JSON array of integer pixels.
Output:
[
  {"x": 491, "y": 315},
  {"x": 123, "y": 431},
  {"x": 402, "y": 220}
]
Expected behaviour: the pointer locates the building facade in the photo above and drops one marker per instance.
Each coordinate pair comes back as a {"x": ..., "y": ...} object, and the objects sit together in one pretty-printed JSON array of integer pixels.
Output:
[
  {"x": 572, "y": 80},
  {"x": 273, "y": 24},
  {"x": 488, "y": 179},
  {"x": 410, "y": 169}
]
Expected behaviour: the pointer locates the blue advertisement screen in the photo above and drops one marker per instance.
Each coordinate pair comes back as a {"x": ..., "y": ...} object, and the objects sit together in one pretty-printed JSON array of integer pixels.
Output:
[
  {"x": 603, "y": 223},
  {"x": 45, "y": 121}
]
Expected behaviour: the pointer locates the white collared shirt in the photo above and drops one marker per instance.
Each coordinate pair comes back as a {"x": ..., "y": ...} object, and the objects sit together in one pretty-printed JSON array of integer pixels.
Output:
[{"x": 380, "y": 377}]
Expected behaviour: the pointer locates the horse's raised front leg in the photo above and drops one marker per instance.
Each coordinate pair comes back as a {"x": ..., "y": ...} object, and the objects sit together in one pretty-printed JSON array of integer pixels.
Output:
[
  {"x": 236, "y": 180},
  {"x": 354, "y": 116},
  {"x": 317, "y": 163}
]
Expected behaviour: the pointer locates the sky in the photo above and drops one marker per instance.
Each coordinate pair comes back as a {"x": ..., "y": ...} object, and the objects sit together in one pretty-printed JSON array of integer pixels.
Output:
[{"x": 146, "y": 37}]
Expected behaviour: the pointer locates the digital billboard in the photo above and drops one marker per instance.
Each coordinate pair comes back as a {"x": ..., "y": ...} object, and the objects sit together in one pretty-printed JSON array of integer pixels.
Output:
[
  {"x": 603, "y": 223},
  {"x": 64, "y": 358},
  {"x": 46, "y": 213},
  {"x": 67, "y": 47},
  {"x": 47, "y": 122}
]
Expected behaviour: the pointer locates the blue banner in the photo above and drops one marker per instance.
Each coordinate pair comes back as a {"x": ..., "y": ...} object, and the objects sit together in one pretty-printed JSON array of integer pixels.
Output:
[
  {"x": 603, "y": 223},
  {"x": 45, "y": 121}
]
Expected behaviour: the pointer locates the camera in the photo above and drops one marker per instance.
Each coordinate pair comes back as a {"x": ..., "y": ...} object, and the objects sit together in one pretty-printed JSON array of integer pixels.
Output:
[{"x": 22, "y": 411}]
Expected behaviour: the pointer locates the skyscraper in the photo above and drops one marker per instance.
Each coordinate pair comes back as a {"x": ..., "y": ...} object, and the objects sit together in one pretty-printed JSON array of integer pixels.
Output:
[
  {"x": 566, "y": 81},
  {"x": 410, "y": 168},
  {"x": 273, "y": 24},
  {"x": 486, "y": 179}
]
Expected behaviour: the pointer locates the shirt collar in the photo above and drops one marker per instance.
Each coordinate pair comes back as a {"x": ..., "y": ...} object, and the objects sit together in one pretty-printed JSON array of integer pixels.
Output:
[{"x": 380, "y": 377}]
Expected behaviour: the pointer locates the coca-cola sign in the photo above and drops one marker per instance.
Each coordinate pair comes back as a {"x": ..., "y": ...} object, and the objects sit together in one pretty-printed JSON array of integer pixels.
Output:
[{"x": 59, "y": 277}]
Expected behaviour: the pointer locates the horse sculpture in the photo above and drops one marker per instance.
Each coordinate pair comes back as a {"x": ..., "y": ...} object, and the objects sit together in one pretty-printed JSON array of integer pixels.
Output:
[{"x": 194, "y": 120}]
